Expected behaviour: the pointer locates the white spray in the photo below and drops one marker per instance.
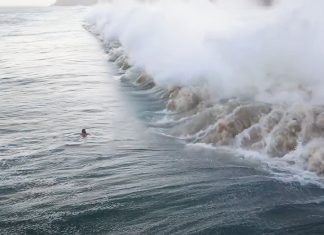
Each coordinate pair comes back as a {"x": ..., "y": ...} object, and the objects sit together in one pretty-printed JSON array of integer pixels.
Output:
[{"x": 237, "y": 48}]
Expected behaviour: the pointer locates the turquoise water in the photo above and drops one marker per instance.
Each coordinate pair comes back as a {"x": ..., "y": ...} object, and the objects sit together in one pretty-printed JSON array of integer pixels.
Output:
[{"x": 126, "y": 177}]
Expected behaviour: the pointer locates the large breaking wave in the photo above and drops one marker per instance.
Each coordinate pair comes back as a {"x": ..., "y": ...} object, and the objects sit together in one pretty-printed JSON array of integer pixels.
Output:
[{"x": 240, "y": 73}]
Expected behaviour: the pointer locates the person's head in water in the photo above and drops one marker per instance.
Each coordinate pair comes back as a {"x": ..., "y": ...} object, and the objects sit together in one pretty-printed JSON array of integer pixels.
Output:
[{"x": 84, "y": 133}]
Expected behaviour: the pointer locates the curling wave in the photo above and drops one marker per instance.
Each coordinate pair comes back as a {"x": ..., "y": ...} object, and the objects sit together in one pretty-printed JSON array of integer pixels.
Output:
[{"x": 245, "y": 74}]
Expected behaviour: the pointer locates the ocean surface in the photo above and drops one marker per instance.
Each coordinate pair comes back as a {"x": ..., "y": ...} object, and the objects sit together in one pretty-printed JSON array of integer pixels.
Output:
[{"x": 128, "y": 176}]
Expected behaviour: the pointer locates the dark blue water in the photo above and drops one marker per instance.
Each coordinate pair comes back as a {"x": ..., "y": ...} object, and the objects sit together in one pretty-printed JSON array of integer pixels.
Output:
[{"x": 126, "y": 177}]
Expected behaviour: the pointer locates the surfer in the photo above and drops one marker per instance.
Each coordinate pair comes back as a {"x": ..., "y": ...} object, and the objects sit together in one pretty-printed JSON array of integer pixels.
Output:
[{"x": 84, "y": 133}]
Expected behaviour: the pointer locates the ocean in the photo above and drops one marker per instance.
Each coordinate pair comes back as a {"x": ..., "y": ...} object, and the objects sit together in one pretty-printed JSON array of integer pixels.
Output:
[{"x": 130, "y": 175}]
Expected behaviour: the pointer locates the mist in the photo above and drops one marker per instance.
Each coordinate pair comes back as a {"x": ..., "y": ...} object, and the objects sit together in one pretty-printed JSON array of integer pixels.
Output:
[
  {"x": 26, "y": 2},
  {"x": 240, "y": 48}
]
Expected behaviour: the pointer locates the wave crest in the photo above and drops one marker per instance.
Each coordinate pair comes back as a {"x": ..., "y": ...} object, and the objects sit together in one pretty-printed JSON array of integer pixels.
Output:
[{"x": 231, "y": 74}]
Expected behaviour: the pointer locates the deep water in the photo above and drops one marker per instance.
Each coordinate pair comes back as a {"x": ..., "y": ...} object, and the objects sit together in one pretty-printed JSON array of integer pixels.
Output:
[{"x": 127, "y": 176}]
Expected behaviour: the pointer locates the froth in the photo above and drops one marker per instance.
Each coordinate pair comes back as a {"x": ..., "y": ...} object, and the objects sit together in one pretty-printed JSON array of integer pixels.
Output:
[{"x": 244, "y": 75}]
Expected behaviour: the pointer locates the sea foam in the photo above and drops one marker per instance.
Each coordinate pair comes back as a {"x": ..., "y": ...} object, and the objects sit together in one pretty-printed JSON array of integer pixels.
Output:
[{"x": 244, "y": 73}]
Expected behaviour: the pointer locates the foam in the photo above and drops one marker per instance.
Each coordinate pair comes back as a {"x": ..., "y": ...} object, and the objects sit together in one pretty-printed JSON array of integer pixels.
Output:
[{"x": 235, "y": 73}]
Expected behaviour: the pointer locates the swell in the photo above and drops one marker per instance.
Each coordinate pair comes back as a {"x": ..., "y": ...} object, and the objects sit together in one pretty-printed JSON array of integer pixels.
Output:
[{"x": 289, "y": 132}]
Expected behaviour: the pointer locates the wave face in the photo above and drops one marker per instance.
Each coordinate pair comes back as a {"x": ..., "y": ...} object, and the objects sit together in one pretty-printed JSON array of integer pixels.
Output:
[{"x": 245, "y": 74}]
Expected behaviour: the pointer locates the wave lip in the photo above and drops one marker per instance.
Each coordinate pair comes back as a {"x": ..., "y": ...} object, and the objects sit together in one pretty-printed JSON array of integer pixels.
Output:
[{"x": 224, "y": 73}]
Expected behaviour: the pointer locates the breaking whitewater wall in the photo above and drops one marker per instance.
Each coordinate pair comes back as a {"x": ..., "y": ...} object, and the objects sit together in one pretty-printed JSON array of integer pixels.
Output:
[{"x": 235, "y": 72}]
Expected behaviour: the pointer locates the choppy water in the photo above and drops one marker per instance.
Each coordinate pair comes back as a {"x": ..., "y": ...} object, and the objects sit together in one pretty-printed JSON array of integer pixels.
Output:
[{"x": 125, "y": 178}]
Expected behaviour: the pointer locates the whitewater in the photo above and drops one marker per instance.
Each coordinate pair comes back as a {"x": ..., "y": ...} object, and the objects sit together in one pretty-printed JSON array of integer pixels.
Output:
[{"x": 243, "y": 74}]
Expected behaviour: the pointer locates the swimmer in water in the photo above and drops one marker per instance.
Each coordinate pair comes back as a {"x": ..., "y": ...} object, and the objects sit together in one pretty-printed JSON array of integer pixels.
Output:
[{"x": 84, "y": 133}]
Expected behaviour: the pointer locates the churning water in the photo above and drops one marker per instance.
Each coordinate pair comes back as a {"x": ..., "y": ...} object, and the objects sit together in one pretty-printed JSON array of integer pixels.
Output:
[{"x": 128, "y": 176}]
